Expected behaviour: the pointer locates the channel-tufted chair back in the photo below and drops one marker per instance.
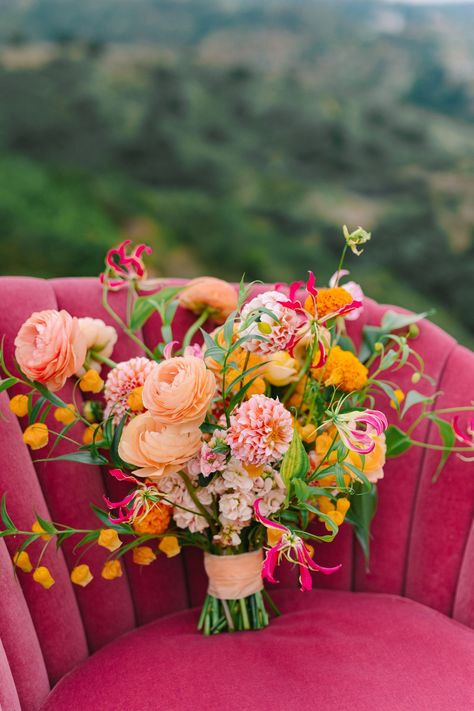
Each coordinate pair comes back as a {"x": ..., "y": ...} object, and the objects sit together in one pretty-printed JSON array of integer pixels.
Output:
[{"x": 423, "y": 535}]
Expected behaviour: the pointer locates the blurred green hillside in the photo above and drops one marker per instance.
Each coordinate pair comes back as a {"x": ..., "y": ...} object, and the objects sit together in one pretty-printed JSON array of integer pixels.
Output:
[{"x": 238, "y": 136}]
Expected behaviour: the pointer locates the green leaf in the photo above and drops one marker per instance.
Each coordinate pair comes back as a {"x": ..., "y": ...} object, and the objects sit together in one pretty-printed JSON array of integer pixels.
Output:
[
  {"x": 145, "y": 306},
  {"x": 45, "y": 525},
  {"x": 389, "y": 392},
  {"x": 393, "y": 321},
  {"x": 360, "y": 514},
  {"x": 240, "y": 394},
  {"x": 397, "y": 441},
  {"x": 48, "y": 395},
  {"x": 8, "y": 523},
  {"x": 415, "y": 398},
  {"x": 448, "y": 438},
  {"x": 103, "y": 518},
  {"x": 7, "y": 383},
  {"x": 370, "y": 336},
  {"x": 88, "y": 538},
  {"x": 347, "y": 344},
  {"x": 83, "y": 456},
  {"x": 295, "y": 463}
]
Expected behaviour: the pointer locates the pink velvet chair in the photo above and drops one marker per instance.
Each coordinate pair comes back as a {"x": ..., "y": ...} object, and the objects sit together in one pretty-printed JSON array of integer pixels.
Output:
[{"x": 397, "y": 638}]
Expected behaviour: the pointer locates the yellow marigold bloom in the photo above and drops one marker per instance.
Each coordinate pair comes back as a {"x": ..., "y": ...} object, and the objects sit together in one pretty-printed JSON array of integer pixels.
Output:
[
  {"x": 330, "y": 300},
  {"x": 65, "y": 415},
  {"x": 42, "y": 576},
  {"x": 343, "y": 370},
  {"x": 108, "y": 538},
  {"x": 135, "y": 400},
  {"x": 88, "y": 435},
  {"x": 19, "y": 405},
  {"x": 273, "y": 536},
  {"x": 37, "y": 528},
  {"x": 170, "y": 546},
  {"x": 22, "y": 561},
  {"x": 81, "y": 575},
  {"x": 143, "y": 555},
  {"x": 91, "y": 382},
  {"x": 400, "y": 395},
  {"x": 111, "y": 570},
  {"x": 281, "y": 369},
  {"x": 36, "y": 435},
  {"x": 156, "y": 520}
]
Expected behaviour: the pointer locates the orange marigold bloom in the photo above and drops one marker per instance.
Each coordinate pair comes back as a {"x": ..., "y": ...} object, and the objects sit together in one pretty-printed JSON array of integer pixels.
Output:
[
  {"x": 328, "y": 301},
  {"x": 343, "y": 370},
  {"x": 156, "y": 521}
]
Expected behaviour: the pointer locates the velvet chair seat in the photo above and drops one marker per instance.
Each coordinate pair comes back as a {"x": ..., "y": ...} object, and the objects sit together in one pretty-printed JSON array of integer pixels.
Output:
[
  {"x": 330, "y": 650},
  {"x": 396, "y": 637}
]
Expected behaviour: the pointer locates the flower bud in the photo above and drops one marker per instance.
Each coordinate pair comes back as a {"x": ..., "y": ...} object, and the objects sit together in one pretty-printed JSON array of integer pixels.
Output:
[
  {"x": 108, "y": 538},
  {"x": 415, "y": 378},
  {"x": 378, "y": 347},
  {"x": 413, "y": 331},
  {"x": 19, "y": 405},
  {"x": 81, "y": 575},
  {"x": 22, "y": 561},
  {"x": 359, "y": 236},
  {"x": 170, "y": 546},
  {"x": 42, "y": 576},
  {"x": 143, "y": 555},
  {"x": 36, "y": 435},
  {"x": 111, "y": 570},
  {"x": 91, "y": 382}
]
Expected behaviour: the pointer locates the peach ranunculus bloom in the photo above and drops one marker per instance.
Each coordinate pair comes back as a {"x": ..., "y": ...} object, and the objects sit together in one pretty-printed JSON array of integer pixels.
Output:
[
  {"x": 50, "y": 347},
  {"x": 217, "y": 296},
  {"x": 99, "y": 338},
  {"x": 157, "y": 449},
  {"x": 179, "y": 390}
]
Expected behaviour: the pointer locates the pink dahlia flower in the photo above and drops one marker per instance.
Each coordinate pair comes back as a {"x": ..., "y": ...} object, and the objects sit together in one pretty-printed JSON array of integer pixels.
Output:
[
  {"x": 278, "y": 334},
  {"x": 120, "y": 382},
  {"x": 260, "y": 431}
]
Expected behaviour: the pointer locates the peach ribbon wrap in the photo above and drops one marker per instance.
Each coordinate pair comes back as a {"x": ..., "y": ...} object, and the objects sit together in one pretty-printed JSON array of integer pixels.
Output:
[{"x": 232, "y": 577}]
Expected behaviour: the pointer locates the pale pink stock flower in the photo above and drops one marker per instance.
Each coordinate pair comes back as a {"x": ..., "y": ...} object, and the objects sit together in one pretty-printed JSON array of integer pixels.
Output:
[
  {"x": 121, "y": 380},
  {"x": 260, "y": 431},
  {"x": 99, "y": 338},
  {"x": 210, "y": 460},
  {"x": 50, "y": 347},
  {"x": 291, "y": 547},
  {"x": 354, "y": 289},
  {"x": 279, "y": 334}
]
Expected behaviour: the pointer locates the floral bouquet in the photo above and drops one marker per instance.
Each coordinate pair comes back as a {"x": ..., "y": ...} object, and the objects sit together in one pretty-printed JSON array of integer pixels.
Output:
[{"x": 254, "y": 442}]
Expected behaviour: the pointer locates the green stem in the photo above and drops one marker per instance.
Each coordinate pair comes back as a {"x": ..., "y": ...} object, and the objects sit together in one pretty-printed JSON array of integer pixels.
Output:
[
  {"x": 97, "y": 355},
  {"x": 440, "y": 448},
  {"x": 195, "y": 327},
  {"x": 270, "y": 602},
  {"x": 113, "y": 314},
  {"x": 341, "y": 262}
]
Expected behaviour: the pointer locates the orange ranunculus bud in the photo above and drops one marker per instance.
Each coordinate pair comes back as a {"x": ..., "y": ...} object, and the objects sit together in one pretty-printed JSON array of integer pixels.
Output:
[
  {"x": 91, "y": 382},
  {"x": 37, "y": 528},
  {"x": 111, "y": 570},
  {"x": 170, "y": 546},
  {"x": 22, "y": 561},
  {"x": 42, "y": 576},
  {"x": 19, "y": 405},
  {"x": 135, "y": 400},
  {"x": 108, "y": 538},
  {"x": 36, "y": 435},
  {"x": 81, "y": 575},
  {"x": 143, "y": 555},
  {"x": 65, "y": 415},
  {"x": 94, "y": 432}
]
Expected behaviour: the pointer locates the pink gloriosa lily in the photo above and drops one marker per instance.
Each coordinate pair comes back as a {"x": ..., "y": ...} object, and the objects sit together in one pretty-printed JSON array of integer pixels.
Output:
[
  {"x": 356, "y": 439},
  {"x": 467, "y": 437},
  {"x": 122, "y": 267},
  {"x": 136, "y": 505},
  {"x": 291, "y": 547}
]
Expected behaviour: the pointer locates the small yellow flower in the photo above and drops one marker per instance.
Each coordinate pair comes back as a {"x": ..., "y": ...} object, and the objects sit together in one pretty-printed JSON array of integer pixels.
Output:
[
  {"x": 37, "y": 528},
  {"x": 19, "y": 405},
  {"x": 81, "y": 575},
  {"x": 36, "y": 435},
  {"x": 135, "y": 400},
  {"x": 308, "y": 433},
  {"x": 42, "y": 576},
  {"x": 335, "y": 512},
  {"x": 108, "y": 538},
  {"x": 65, "y": 415},
  {"x": 273, "y": 536},
  {"x": 22, "y": 561},
  {"x": 111, "y": 570},
  {"x": 400, "y": 395},
  {"x": 143, "y": 555},
  {"x": 281, "y": 369},
  {"x": 91, "y": 382},
  {"x": 170, "y": 546},
  {"x": 89, "y": 434}
]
